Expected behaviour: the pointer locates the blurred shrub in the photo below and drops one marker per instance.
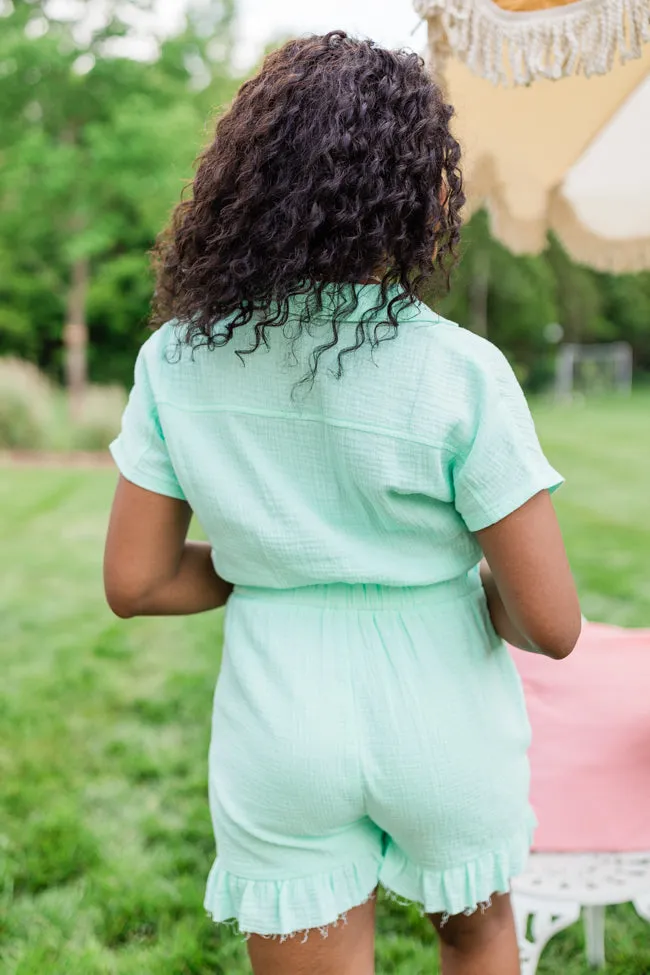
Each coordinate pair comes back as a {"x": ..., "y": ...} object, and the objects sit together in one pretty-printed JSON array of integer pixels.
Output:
[
  {"x": 26, "y": 405},
  {"x": 33, "y": 412},
  {"x": 100, "y": 420}
]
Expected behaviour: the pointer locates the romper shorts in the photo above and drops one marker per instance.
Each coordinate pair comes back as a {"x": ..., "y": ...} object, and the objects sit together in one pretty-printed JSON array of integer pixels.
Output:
[{"x": 364, "y": 735}]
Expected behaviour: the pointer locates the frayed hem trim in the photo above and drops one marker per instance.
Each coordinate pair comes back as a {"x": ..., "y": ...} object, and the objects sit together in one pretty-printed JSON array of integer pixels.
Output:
[
  {"x": 482, "y": 906},
  {"x": 342, "y": 919},
  {"x": 302, "y": 933}
]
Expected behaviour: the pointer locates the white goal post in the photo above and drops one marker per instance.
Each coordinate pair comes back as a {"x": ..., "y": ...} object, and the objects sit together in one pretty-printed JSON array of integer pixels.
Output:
[{"x": 593, "y": 369}]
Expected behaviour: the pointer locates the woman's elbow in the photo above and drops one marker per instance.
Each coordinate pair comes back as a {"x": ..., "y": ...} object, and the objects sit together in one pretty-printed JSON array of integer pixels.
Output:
[
  {"x": 121, "y": 603},
  {"x": 125, "y": 597},
  {"x": 559, "y": 642},
  {"x": 123, "y": 611}
]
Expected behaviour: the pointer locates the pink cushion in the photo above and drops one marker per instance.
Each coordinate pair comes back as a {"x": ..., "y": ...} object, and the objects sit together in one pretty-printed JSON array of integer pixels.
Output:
[{"x": 590, "y": 755}]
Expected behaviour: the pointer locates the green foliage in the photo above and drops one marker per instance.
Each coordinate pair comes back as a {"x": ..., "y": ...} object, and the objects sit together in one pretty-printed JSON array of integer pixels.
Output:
[
  {"x": 95, "y": 148},
  {"x": 525, "y": 294},
  {"x": 106, "y": 840},
  {"x": 626, "y": 301},
  {"x": 94, "y": 151}
]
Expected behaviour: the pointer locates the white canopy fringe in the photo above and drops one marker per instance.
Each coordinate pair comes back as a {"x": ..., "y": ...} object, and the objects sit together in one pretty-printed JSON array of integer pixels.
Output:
[{"x": 504, "y": 46}]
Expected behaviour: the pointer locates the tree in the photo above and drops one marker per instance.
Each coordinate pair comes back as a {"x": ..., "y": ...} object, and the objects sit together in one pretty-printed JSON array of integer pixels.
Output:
[{"x": 94, "y": 150}]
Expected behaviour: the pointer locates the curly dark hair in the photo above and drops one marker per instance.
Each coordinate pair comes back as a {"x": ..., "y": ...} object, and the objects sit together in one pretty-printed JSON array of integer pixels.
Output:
[{"x": 334, "y": 165}]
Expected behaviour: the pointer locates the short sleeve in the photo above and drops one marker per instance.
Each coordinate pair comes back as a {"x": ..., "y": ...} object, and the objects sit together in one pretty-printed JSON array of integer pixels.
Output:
[
  {"x": 140, "y": 451},
  {"x": 499, "y": 464}
]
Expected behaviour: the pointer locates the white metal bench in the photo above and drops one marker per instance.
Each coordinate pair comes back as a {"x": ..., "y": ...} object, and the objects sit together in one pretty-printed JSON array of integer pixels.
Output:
[{"x": 558, "y": 888}]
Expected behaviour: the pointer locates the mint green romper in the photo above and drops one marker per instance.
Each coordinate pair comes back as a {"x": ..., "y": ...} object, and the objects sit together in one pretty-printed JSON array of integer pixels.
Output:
[{"x": 368, "y": 725}]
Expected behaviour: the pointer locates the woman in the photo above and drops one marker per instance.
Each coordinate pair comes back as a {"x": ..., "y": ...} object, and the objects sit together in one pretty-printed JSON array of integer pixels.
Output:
[{"x": 351, "y": 456}]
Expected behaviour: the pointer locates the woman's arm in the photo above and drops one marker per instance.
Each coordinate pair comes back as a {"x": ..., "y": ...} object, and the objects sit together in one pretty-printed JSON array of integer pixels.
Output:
[
  {"x": 530, "y": 590},
  {"x": 499, "y": 614},
  {"x": 150, "y": 569}
]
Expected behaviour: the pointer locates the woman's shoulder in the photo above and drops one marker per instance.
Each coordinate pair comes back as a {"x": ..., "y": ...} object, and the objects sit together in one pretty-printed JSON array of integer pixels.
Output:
[
  {"x": 459, "y": 372},
  {"x": 162, "y": 343},
  {"x": 163, "y": 348},
  {"x": 449, "y": 349}
]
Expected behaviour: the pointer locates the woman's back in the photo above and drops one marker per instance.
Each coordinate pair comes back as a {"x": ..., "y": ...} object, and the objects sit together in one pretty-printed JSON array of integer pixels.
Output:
[{"x": 362, "y": 479}]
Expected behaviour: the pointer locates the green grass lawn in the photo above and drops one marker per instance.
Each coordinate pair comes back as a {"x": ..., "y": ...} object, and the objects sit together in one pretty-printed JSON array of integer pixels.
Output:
[{"x": 105, "y": 838}]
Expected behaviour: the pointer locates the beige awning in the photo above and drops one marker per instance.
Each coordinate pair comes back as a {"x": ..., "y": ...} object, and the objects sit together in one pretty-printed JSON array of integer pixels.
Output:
[{"x": 571, "y": 157}]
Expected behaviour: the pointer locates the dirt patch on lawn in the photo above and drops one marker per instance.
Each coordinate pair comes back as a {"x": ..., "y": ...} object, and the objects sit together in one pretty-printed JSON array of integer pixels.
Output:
[{"x": 87, "y": 459}]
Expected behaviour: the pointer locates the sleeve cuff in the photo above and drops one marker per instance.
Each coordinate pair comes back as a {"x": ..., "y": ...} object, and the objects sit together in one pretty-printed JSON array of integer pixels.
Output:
[
  {"x": 513, "y": 500},
  {"x": 144, "y": 479}
]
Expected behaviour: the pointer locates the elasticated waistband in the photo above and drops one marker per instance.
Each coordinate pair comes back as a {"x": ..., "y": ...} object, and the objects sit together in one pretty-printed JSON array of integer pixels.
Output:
[{"x": 365, "y": 596}]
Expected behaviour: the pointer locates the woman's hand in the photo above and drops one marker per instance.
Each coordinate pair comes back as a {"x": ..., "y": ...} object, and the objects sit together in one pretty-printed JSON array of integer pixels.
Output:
[{"x": 150, "y": 569}]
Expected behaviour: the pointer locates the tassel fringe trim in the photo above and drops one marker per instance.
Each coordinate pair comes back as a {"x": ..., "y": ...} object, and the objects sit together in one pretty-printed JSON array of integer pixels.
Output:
[{"x": 583, "y": 37}]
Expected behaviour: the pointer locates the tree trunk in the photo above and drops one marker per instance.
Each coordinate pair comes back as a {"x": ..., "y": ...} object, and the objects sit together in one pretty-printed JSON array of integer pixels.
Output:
[
  {"x": 75, "y": 338},
  {"x": 479, "y": 290}
]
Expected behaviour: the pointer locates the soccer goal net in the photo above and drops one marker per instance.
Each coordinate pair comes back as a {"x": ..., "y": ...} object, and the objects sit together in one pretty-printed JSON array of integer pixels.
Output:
[{"x": 590, "y": 370}]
